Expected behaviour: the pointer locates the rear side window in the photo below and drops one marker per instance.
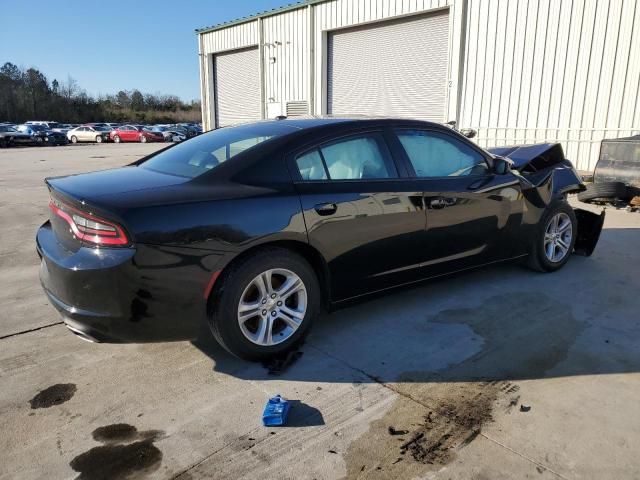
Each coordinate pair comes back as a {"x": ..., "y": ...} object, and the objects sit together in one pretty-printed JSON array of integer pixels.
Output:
[
  {"x": 205, "y": 152},
  {"x": 434, "y": 154},
  {"x": 354, "y": 158},
  {"x": 311, "y": 166}
]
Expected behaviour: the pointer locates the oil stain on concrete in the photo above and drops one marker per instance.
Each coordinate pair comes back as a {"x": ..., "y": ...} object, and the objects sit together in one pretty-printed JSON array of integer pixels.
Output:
[
  {"x": 126, "y": 453},
  {"x": 53, "y": 395},
  {"x": 439, "y": 413}
]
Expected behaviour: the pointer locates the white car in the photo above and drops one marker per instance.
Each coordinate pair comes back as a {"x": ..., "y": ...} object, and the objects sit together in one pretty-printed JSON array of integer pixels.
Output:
[{"x": 88, "y": 133}]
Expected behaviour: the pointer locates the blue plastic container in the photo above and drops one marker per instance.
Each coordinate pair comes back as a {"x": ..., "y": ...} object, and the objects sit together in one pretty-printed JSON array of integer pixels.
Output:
[{"x": 275, "y": 412}]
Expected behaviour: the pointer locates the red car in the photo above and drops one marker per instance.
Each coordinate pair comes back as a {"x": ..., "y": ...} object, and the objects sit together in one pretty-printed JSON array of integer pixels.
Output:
[{"x": 135, "y": 133}]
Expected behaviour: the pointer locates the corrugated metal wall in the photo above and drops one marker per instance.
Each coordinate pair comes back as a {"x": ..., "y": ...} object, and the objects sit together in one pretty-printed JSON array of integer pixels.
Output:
[
  {"x": 530, "y": 70},
  {"x": 286, "y": 50},
  {"x": 563, "y": 70}
]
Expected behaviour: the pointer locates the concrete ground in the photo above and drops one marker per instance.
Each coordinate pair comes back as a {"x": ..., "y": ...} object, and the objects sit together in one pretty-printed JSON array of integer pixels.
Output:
[{"x": 498, "y": 373}]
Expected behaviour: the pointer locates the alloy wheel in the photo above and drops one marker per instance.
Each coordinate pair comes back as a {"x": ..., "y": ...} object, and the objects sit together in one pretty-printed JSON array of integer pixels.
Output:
[
  {"x": 557, "y": 237},
  {"x": 272, "y": 307}
]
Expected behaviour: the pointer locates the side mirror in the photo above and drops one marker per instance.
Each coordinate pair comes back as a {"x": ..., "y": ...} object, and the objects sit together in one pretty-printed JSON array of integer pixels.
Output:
[
  {"x": 469, "y": 132},
  {"x": 501, "y": 165}
]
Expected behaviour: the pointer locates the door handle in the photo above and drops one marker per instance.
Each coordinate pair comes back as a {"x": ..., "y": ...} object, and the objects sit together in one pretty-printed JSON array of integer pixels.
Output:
[
  {"x": 326, "y": 208},
  {"x": 438, "y": 202},
  {"x": 441, "y": 202}
]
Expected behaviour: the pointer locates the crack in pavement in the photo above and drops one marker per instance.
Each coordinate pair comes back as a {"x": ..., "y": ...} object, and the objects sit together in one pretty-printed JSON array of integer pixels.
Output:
[{"x": 30, "y": 330}]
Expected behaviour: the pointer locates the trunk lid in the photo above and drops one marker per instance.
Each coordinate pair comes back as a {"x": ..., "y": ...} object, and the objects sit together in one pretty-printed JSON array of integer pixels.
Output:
[{"x": 89, "y": 193}]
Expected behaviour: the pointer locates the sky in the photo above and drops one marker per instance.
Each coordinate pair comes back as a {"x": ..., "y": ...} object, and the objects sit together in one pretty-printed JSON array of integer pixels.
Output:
[{"x": 122, "y": 45}]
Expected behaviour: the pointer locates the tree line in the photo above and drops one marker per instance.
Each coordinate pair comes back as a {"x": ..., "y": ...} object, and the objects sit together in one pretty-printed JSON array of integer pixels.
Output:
[{"x": 28, "y": 95}]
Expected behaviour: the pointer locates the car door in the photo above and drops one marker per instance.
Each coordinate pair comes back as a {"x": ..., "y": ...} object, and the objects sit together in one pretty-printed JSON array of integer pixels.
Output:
[
  {"x": 124, "y": 133},
  {"x": 82, "y": 134},
  {"x": 90, "y": 134},
  {"x": 134, "y": 134},
  {"x": 473, "y": 215},
  {"x": 362, "y": 212}
]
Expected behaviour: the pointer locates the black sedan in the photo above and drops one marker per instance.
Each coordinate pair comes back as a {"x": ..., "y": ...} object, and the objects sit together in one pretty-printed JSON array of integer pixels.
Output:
[{"x": 254, "y": 229}]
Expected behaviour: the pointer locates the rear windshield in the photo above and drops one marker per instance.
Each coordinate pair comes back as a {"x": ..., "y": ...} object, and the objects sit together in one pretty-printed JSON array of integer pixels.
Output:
[{"x": 205, "y": 152}]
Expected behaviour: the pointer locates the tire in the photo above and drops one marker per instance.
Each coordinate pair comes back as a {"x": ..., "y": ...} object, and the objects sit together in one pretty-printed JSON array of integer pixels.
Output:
[
  {"x": 117, "y": 139},
  {"x": 238, "y": 284},
  {"x": 74, "y": 139},
  {"x": 539, "y": 258},
  {"x": 633, "y": 192},
  {"x": 99, "y": 139},
  {"x": 143, "y": 139},
  {"x": 605, "y": 191}
]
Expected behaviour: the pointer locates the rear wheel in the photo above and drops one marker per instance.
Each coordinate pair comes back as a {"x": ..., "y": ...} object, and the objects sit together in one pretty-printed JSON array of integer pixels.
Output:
[
  {"x": 265, "y": 304},
  {"x": 555, "y": 238},
  {"x": 143, "y": 139},
  {"x": 99, "y": 139}
]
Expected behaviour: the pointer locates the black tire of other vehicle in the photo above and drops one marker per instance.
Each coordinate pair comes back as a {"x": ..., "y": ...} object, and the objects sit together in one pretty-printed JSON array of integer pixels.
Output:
[
  {"x": 604, "y": 191},
  {"x": 225, "y": 298},
  {"x": 633, "y": 191},
  {"x": 537, "y": 259}
]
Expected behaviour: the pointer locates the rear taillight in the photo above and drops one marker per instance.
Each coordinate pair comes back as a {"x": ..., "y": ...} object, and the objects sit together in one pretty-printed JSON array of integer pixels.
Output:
[{"x": 88, "y": 227}]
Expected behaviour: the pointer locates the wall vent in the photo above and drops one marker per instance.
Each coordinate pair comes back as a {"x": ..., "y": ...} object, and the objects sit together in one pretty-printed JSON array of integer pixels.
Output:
[{"x": 297, "y": 108}]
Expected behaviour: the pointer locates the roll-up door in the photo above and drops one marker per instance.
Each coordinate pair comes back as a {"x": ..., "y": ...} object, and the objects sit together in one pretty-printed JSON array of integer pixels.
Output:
[
  {"x": 237, "y": 85},
  {"x": 392, "y": 68}
]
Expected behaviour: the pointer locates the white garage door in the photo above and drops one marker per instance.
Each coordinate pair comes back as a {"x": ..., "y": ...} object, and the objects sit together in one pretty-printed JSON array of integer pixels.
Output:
[
  {"x": 395, "y": 68},
  {"x": 237, "y": 84}
]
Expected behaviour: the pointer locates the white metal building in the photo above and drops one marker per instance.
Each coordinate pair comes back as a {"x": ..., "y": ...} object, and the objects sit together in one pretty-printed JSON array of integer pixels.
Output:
[{"x": 518, "y": 71}]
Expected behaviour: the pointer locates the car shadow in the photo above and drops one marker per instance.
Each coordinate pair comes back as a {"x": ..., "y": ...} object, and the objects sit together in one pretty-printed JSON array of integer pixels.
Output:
[{"x": 496, "y": 323}]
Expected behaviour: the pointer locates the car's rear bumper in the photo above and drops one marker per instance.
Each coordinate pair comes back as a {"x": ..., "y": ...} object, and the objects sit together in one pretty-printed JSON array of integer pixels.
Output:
[{"x": 119, "y": 295}]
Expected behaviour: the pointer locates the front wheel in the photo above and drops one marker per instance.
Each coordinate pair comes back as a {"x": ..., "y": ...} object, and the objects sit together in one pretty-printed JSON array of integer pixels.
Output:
[
  {"x": 555, "y": 238},
  {"x": 143, "y": 139},
  {"x": 265, "y": 304},
  {"x": 116, "y": 139},
  {"x": 74, "y": 139}
]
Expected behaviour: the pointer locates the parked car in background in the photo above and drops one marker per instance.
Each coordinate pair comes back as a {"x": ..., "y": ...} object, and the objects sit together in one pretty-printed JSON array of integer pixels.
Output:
[
  {"x": 135, "y": 133},
  {"x": 49, "y": 125},
  {"x": 168, "y": 133},
  {"x": 192, "y": 129},
  {"x": 182, "y": 130},
  {"x": 41, "y": 135},
  {"x": 88, "y": 133},
  {"x": 36, "y": 132},
  {"x": 62, "y": 128},
  {"x": 9, "y": 136}
]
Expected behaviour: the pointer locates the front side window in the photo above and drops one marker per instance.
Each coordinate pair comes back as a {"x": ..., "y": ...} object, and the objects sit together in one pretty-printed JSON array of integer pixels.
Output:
[
  {"x": 355, "y": 158},
  {"x": 434, "y": 154}
]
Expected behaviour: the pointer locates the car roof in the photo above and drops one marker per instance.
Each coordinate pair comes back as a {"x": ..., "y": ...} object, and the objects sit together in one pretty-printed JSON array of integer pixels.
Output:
[{"x": 309, "y": 121}]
